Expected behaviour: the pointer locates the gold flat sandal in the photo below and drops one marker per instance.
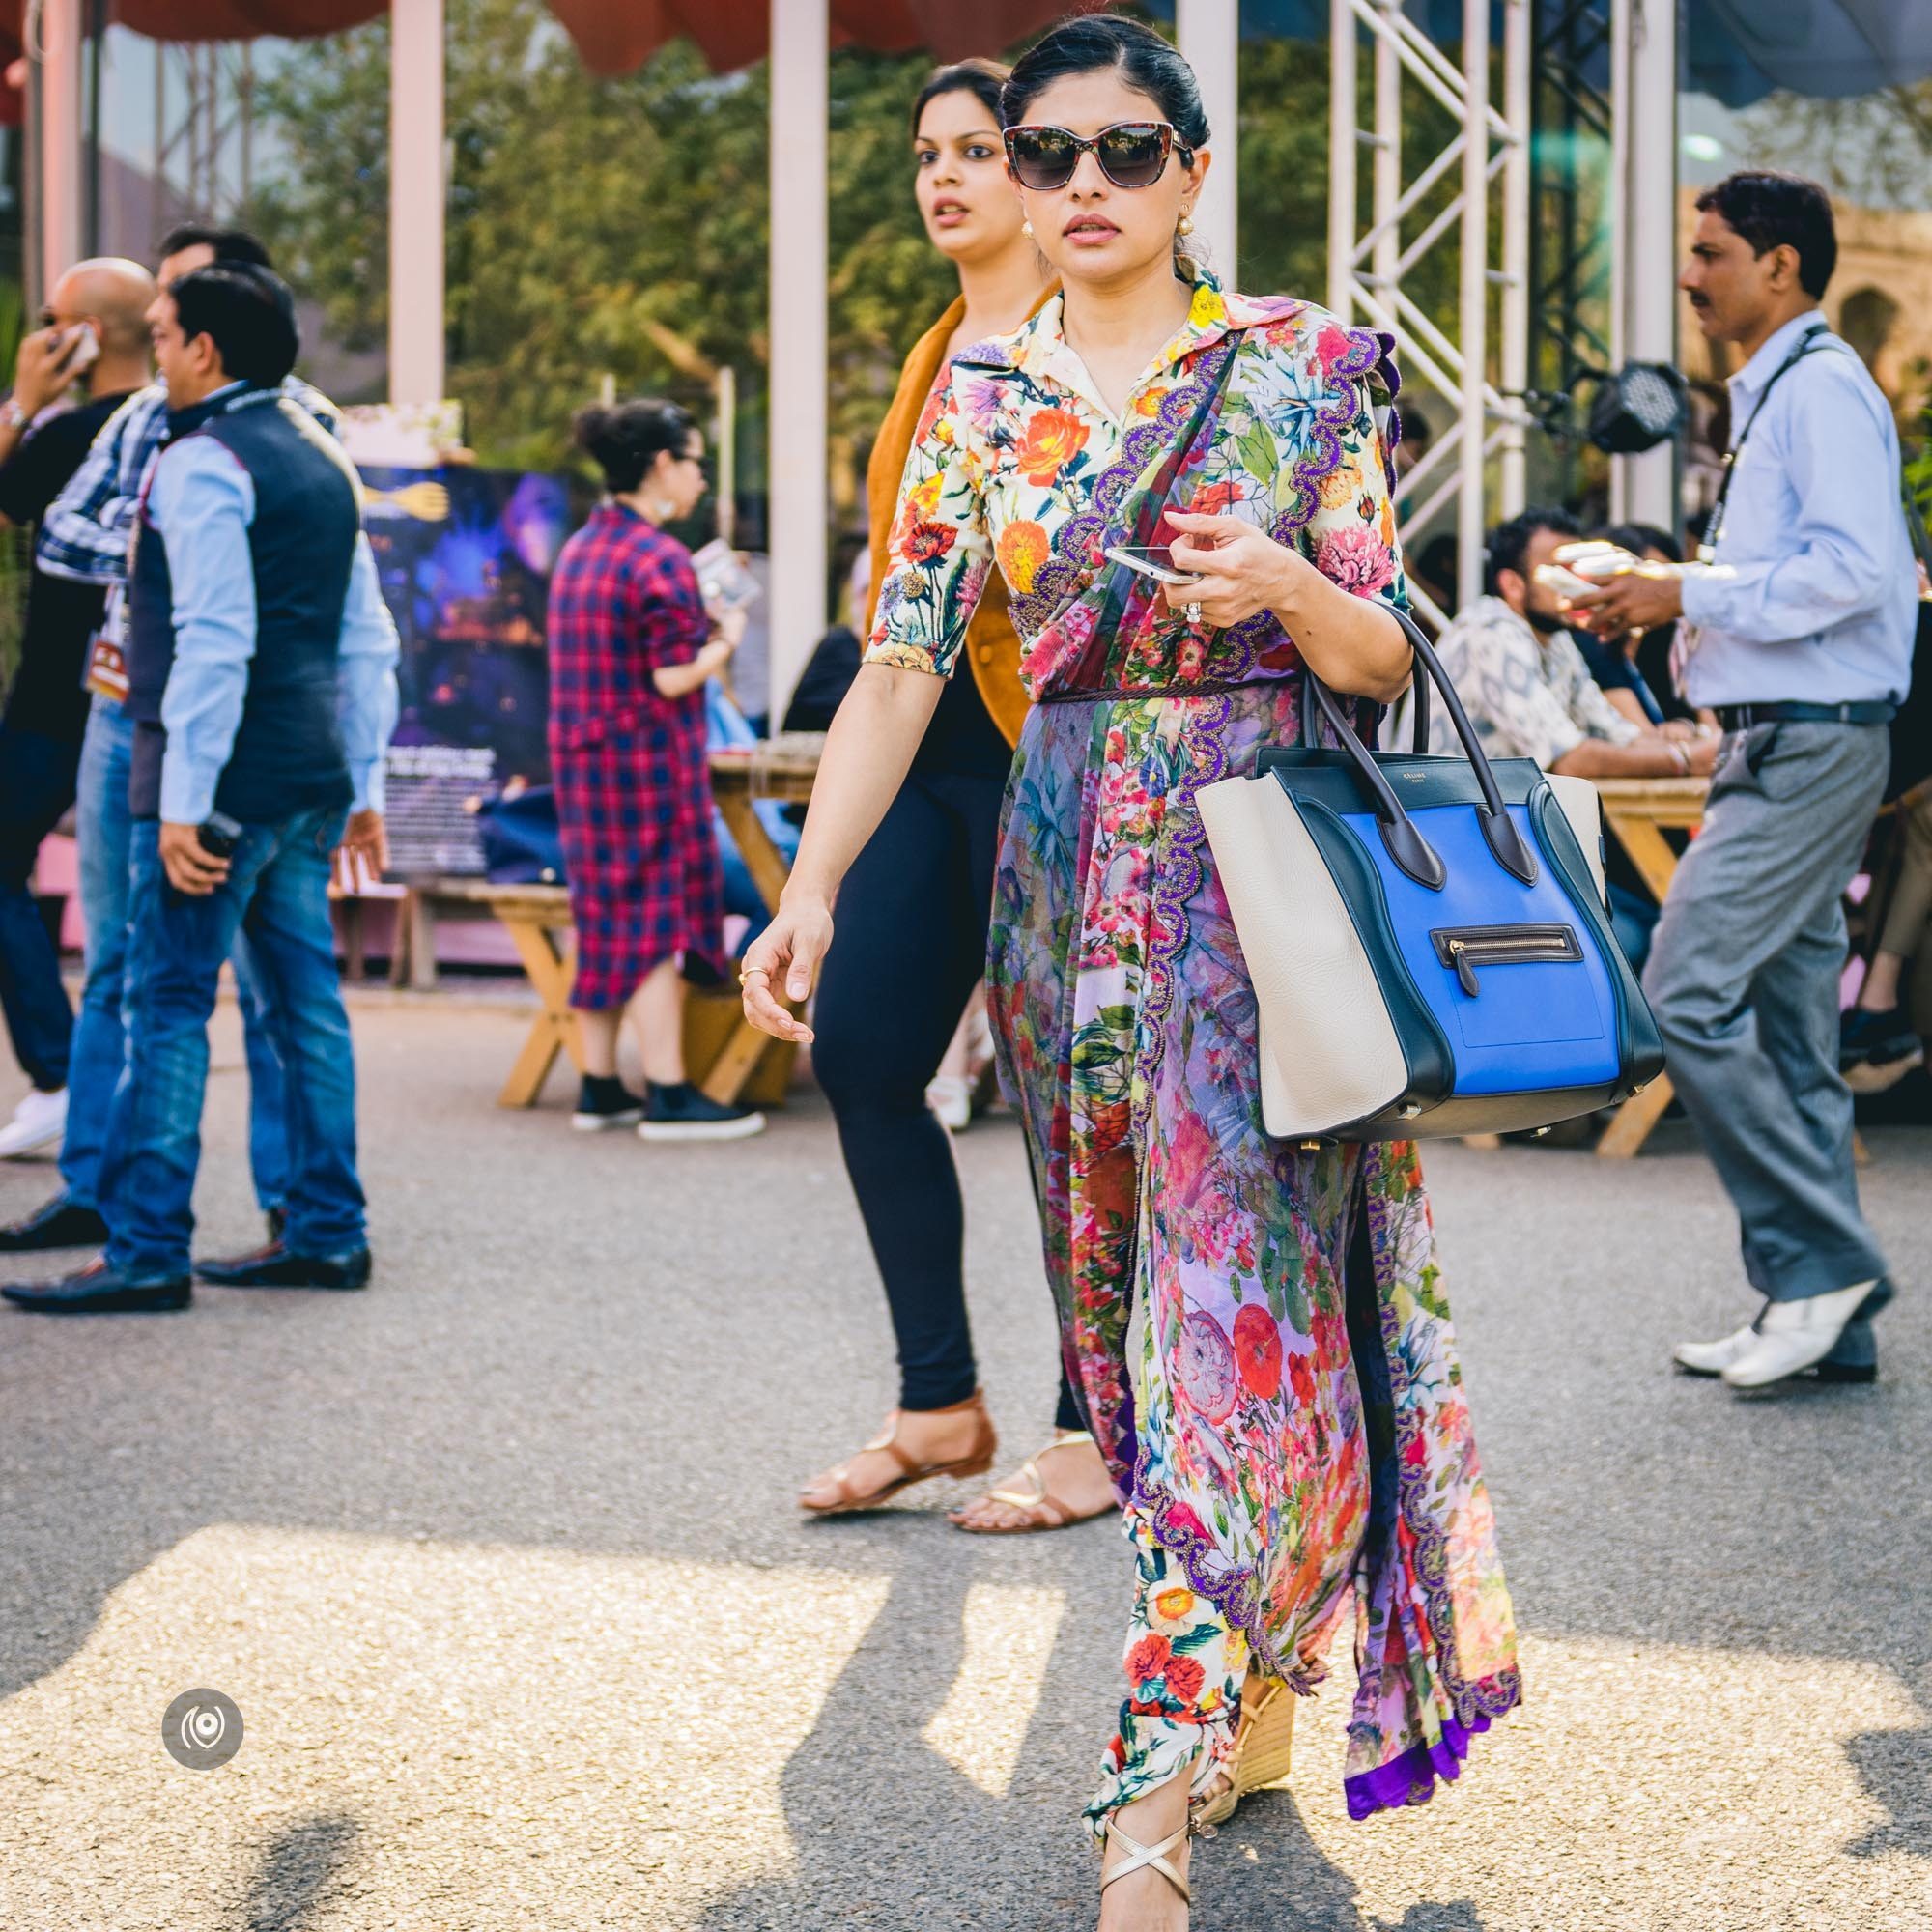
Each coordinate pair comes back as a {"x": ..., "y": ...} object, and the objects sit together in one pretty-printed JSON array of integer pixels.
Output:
[
  {"x": 975, "y": 1463},
  {"x": 1263, "y": 1753},
  {"x": 1150, "y": 1858},
  {"x": 1042, "y": 1508}
]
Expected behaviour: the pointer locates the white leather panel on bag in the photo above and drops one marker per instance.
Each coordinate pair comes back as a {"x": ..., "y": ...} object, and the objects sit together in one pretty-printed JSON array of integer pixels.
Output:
[
  {"x": 1584, "y": 807},
  {"x": 1329, "y": 1052}
]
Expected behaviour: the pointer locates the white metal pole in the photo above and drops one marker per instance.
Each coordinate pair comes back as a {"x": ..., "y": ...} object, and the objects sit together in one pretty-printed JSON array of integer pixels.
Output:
[
  {"x": 1387, "y": 163},
  {"x": 1472, "y": 330},
  {"x": 724, "y": 445},
  {"x": 800, "y": 57},
  {"x": 417, "y": 201},
  {"x": 1622, "y": 229},
  {"x": 1650, "y": 480},
  {"x": 1210, "y": 34},
  {"x": 1515, "y": 344},
  {"x": 55, "y": 49},
  {"x": 1341, "y": 156}
]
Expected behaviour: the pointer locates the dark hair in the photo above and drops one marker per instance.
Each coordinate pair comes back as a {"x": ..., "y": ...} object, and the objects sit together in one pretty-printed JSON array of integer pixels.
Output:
[
  {"x": 249, "y": 315},
  {"x": 1509, "y": 543},
  {"x": 230, "y": 245},
  {"x": 624, "y": 439},
  {"x": 985, "y": 78},
  {"x": 1636, "y": 538},
  {"x": 1769, "y": 209},
  {"x": 1092, "y": 43}
]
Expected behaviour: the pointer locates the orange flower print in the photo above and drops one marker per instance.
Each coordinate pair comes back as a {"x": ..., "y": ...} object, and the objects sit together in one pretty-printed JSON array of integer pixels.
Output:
[
  {"x": 1148, "y": 1658},
  {"x": 1338, "y": 488},
  {"x": 1023, "y": 548},
  {"x": 1169, "y": 1610},
  {"x": 1216, "y": 500},
  {"x": 1184, "y": 1678},
  {"x": 1148, "y": 403},
  {"x": 1053, "y": 438},
  {"x": 927, "y": 543}
]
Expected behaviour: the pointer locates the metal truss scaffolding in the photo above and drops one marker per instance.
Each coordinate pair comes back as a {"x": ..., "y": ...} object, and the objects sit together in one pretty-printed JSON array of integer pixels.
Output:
[
  {"x": 1481, "y": 370},
  {"x": 203, "y": 126}
]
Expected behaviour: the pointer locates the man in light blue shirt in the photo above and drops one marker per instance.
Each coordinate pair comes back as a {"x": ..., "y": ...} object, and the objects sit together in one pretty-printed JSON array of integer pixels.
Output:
[
  {"x": 1797, "y": 629},
  {"x": 261, "y": 679}
]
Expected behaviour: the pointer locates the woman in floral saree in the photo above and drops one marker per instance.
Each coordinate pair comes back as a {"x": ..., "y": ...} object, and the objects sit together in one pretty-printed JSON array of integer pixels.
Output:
[{"x": 1257, "y": 1329}]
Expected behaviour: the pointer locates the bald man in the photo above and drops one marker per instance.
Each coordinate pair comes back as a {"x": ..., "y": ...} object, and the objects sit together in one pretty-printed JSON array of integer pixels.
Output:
[{"x": 94, "y": 338}]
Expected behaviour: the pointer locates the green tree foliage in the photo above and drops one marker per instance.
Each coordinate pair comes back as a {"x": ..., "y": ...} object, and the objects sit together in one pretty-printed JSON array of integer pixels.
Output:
[
  {"x": 600, "y": 226},
  {"x": 619, "y": 227}
]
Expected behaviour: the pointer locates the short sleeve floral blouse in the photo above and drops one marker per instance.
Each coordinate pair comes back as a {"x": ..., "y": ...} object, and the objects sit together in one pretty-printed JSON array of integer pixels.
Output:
[{"x": 1008, "y": 453}]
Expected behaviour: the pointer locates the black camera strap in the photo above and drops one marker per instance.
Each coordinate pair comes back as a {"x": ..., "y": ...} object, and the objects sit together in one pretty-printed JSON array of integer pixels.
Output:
[{"x": 1707, "y": 550}]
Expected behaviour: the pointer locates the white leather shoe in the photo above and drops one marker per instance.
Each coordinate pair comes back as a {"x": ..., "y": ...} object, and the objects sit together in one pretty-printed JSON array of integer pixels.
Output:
[
  {"x": 1712, "y": 1358},
  {"x": 1793, "y": 1336},
  {"x": 38, "y": 1126}
]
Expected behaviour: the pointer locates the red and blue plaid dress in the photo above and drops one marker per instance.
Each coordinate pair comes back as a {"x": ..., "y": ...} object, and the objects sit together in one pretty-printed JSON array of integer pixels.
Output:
[{"x": 632, "y": 790}]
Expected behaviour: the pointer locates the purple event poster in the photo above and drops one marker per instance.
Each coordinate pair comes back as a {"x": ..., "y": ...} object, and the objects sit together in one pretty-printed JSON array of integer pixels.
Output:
[{"x": 465, "y": 557}]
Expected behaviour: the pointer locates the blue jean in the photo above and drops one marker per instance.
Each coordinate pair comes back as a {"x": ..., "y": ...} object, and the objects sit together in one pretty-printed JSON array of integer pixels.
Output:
[
  {"x": 278, "y": 894},
  {"x": 37, "y": 773},
  {"x": 99, "y": 1049}
]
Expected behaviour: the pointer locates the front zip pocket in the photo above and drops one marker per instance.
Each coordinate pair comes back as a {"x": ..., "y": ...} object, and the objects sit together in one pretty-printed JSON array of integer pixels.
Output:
[{"x": 1464, "y": 948}]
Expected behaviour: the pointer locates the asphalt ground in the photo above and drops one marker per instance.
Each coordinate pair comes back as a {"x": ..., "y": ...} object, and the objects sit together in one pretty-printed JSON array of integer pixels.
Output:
[{"x": 500, "y": 1563}]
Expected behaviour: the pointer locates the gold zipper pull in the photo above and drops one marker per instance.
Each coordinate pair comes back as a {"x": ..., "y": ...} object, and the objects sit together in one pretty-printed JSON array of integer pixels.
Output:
[{"x": 1466, "y": 972}]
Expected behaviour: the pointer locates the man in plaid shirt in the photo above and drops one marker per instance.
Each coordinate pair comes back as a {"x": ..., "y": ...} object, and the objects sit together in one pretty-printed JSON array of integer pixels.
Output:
[{"x": 85, "y": 535}]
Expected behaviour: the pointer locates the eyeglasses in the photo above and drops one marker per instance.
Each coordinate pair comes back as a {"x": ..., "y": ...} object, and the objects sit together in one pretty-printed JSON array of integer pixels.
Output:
[{"x": 1132, "y": 154}]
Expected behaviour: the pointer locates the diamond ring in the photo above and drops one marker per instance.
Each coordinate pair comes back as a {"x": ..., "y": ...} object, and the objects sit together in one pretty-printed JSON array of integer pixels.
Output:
[{"x": 1191, "y": 610}]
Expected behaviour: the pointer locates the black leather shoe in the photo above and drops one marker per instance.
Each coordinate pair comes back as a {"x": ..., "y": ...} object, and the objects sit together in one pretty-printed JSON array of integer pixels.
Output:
[
  {"x": 61, "y": 1222},
  {"x": 274, "y": 1267},
  {"x": 98, "y": 1290}
]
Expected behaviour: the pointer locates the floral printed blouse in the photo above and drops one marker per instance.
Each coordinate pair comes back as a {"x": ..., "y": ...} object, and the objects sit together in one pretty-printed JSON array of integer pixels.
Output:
[{"x": 1009, "y": 452}]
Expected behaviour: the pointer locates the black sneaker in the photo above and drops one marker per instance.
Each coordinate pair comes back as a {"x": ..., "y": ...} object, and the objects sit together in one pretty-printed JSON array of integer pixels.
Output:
[
  {"x": 681, "y": 1113},
  {"x": 604, "y": 1102},
  {"x": 1877, "y": 1050}
]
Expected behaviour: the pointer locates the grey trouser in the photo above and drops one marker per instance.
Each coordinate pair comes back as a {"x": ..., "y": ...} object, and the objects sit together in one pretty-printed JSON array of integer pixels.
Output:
[{"x": 1744, "y": 980}]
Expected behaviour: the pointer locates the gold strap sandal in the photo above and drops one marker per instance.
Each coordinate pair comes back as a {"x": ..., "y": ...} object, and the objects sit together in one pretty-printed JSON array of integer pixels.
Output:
[
  {"x": 1148, "y": 1858},
  {"x": 1264, "y": 1751},
  {"x": 1042, "y": 1509},
  {"x": 975, "y": 1463}
]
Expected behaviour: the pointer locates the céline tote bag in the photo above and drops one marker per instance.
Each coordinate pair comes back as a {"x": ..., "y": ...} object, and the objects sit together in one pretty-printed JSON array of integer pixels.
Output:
[{"x": 1427, "y": 937}]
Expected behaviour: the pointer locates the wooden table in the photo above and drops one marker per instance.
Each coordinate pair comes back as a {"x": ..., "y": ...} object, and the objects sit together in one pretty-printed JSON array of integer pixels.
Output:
[
  {"x": 537, "y": 918},
  {"x": 1639, "y": 811}
]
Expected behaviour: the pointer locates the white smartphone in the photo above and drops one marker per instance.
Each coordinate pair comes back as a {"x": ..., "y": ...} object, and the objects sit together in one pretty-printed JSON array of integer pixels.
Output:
[
  {"x": 1154, "y": 560},
  {"x": 1566, "y": 583},
  {"x": 84, "y": 351}
]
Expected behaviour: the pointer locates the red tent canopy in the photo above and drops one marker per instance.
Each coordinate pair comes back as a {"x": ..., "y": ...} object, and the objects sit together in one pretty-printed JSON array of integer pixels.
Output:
[
  {"x": 612, "y": 36},
  {"x": 616, "y": 35}
]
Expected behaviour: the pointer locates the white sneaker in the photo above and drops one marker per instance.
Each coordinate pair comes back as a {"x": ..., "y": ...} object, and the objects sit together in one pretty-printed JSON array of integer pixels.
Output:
[
  {"x": 1793, "y": 1336},
  {"x": 38, "y": 1126},
  {"x": 950, "y": 1096},
  {"x": 1712, "y": 1358}
]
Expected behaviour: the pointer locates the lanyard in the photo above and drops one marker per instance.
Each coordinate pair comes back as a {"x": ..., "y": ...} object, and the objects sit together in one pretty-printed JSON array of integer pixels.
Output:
[{"x": 1707, "y": 550}]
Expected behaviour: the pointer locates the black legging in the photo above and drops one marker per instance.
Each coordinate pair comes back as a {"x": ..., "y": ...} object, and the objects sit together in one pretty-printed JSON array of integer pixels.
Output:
[{"x": 909, "y": 946}]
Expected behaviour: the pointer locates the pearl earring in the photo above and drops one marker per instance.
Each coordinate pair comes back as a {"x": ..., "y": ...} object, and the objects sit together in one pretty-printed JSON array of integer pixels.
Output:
[
  {"x": 1026, "y": 227},
  {"x": 1185, "y": 225}
]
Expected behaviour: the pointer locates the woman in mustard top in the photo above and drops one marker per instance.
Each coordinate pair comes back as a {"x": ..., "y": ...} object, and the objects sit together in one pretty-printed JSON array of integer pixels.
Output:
[{"x": 914, "y": 909}]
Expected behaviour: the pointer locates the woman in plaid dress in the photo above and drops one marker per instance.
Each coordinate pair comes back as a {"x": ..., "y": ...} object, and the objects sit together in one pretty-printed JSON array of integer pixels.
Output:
[{"x": 631, "y": 648}]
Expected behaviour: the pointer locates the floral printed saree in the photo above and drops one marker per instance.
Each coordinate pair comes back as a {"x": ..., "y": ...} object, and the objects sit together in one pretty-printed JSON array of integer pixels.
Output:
[{"x": 1258, "y": 1329}]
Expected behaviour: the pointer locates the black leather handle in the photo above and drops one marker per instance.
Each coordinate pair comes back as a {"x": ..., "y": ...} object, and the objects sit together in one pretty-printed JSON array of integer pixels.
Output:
[{"x": 1498, "y": 828}]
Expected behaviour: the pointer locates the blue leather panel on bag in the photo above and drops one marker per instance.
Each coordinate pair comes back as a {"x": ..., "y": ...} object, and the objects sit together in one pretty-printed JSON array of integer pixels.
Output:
[{"x": 1531, "y": 1025}]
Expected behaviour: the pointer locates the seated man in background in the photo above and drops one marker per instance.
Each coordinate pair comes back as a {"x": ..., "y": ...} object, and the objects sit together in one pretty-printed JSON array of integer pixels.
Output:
[{"x": 1530, "y": 693}]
